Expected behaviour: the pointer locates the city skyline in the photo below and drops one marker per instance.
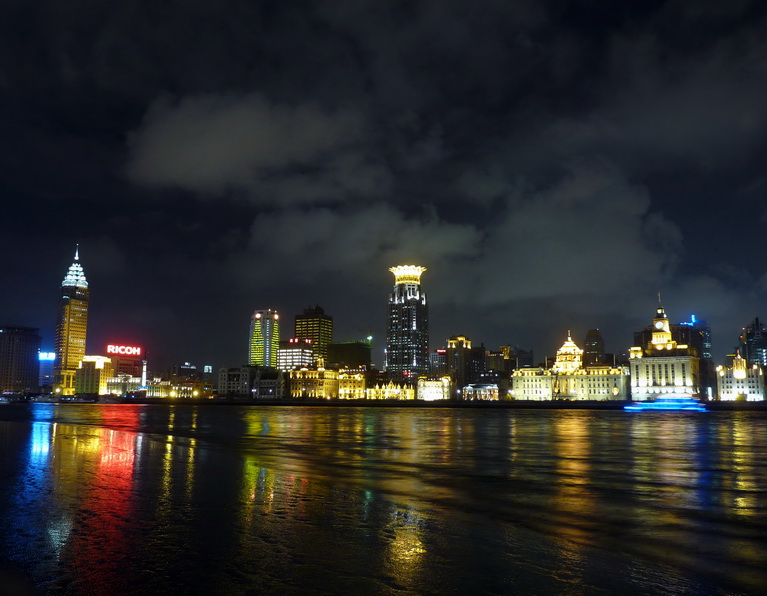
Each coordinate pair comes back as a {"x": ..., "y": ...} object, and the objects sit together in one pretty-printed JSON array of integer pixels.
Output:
[
  {"x": 554, "y": 166},
  {"x": 264, "y": 336}
]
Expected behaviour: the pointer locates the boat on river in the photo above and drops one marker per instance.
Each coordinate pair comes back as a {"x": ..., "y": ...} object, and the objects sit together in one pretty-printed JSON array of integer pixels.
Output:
[{"x": 667, "y": 403}]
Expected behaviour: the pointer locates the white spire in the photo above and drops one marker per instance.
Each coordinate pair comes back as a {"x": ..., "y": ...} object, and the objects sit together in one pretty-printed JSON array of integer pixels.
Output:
[{"x": 75, "y": 276}]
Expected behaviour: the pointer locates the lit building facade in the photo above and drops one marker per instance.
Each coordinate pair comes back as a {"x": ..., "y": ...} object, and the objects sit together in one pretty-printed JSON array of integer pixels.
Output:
[
  {"x": 316, "y": 326},
  {"x": 407, "y": 331},
  {"x": 740, "y": 381},
  {"x": 662, "y": 365},
  {"x": 569, "y": 379},
  {"x": 352, "y": 383},
  {"x": 92, "y": 375},
  {"x": 295, "y": 353},
  {"x": 314, "y": 383},
  {"x": 255, "y": 382},
  {"x": 434, "y": 389},
  {"x": 19, "y": 359},
  {"x": 71, "y": 328},
  {"x": 264, "y": 338},
  {"x": 47, "y": 360}
]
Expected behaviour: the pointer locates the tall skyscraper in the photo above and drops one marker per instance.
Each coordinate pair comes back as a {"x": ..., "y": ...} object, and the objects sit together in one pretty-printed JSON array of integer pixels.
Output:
[
  {"x": 407, "y": 332},
  {"x": 753, "y": 343},
  {"x": 315, "y": 325},
  {"x": 71, "y": 328},
  {"x": 264, "y": 338},
  {"x": 19, "y": 364},
  {"x": 594, "y": 350}
]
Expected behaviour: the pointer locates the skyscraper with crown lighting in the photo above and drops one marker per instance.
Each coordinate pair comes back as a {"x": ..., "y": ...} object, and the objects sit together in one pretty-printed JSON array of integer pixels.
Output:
[
  {"x": 264, "y": 339},
  {"x": 407, "y": 331},
  {"x": 71, "y": 328}
]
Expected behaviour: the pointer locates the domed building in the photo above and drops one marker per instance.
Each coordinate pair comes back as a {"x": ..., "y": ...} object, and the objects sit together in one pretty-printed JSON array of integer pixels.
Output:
[{"x": 569, "y": 379}]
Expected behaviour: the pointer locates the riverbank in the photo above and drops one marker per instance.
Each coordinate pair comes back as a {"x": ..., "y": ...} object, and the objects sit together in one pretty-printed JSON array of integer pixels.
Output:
[{"x": 380, "y": 403}]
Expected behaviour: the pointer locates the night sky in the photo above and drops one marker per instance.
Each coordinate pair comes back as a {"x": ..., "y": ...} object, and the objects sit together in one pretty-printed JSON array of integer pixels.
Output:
[{"x": 553, "y": 164}]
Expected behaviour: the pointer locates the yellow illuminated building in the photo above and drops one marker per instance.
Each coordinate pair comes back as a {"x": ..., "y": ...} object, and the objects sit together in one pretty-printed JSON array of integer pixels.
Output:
[
  {"x": 434, "y": 389},
  {"x": 316, "y": 326},
  {"x": 92, "y": 375},
  {"x": 391, "y": 391},
  {"x": 351, "y": 384},
  {"x": 663, "y": 366},
  {"x": 739, "y": 381},
  {"x": 71, "y": 328},
  {"x": 314, "y": 382},
  {"x": 264, "y": 338},
  {"x": 569, "y": 379}
]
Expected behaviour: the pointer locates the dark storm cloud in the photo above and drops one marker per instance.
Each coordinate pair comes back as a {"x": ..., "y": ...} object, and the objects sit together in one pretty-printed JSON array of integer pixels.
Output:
[{"x": 553, "y": 164}]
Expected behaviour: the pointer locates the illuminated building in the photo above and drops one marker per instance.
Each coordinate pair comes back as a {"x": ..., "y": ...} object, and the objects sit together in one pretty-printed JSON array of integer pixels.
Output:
[
  {"x": 407, "y": 331},
  {"x": 47, "y": 360},
  {"x": 391, "y": 390},
  {"x": 352, "y": 384},
  {"x": 438, "y": 363},
  {"x": 465, "y": 364},
  {"x": 569, "y": 379},
  {"x": 295, "y": 353},
  {"x": 128, "y": 361},
  {"x": 19, "y": 360},
  {"x": 753, "y": 343},
  {"x": 662, "y": 365},
  {"x": 434, "y": 389},
  {"x": 256, "y": 382},
  {"x": 481, "y": 391},
  {"x": 71, "y": 328},
  {"x": 705, "y": 348},
  {"x": 315, "y": 325},
  {"x": 740, "y": 381},
  {"x": 92, "y": 374},
  {"x": 264, "y": 338},
  {"x": 314, "y": 382}
]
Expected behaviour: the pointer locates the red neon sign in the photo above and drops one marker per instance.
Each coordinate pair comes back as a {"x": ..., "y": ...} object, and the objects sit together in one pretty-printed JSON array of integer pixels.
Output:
[{"x": 124, "y": 350}]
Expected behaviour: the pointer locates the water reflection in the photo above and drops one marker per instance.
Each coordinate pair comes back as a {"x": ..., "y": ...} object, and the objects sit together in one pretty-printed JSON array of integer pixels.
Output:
[{"x": 230, "y": 499}]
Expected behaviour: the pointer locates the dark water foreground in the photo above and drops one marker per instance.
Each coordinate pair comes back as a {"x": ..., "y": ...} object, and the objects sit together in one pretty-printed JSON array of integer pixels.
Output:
[{"x": 145, "y": 499}]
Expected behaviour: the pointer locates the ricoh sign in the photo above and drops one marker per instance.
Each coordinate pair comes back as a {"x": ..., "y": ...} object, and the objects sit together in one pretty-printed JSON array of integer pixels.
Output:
[{"x": 123, "y": 350}]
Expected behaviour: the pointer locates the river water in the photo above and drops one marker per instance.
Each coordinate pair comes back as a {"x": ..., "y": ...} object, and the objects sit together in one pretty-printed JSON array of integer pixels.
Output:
[{"x": 150, "y": 499}]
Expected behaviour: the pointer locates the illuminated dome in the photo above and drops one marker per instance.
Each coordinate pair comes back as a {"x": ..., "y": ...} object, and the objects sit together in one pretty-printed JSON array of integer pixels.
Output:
[
  {"x": 75, "y": 276},
  {"x": 569, "y": 357}
]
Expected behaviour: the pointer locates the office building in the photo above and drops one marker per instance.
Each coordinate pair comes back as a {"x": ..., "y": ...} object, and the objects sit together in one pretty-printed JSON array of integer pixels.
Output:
[
  {"x": 662, "y": 365},
  {"x": 350, "y": 354},
  {"x": 71, "y": 328},
  {"x": 19, "y": 360},
  {"x": 295, "y": 353},
  {"x": 593, "y": 348},
  {"x": 316, "y": 326},
  {"x": 753, "y": 343},
  {"x": 264, "y": 338},
  {"x": 47, "y": 360},
  {"x": 407, "y": 331}
]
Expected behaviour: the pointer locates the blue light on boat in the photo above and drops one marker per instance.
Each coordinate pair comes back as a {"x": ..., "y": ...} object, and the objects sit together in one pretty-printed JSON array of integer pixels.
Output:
[{"x": 667, "y": 403}]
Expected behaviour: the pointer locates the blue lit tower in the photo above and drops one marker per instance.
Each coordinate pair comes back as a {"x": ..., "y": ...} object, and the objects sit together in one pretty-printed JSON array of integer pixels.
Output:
[
  {"x": 71, "y": 328},
  {"x": 264, "y": 339},
  {"x": 407, "y": 331}
]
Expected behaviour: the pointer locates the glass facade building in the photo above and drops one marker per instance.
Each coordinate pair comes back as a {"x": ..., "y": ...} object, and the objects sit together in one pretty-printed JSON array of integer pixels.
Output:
[{"x": 316, "y": 326}]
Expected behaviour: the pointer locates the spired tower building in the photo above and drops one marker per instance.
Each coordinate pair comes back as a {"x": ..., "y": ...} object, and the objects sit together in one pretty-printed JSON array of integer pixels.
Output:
[
  {"x": 407, "y": 331},
  {"x": 264, "y": 338},
  {"x": 71, "y": 328}
]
